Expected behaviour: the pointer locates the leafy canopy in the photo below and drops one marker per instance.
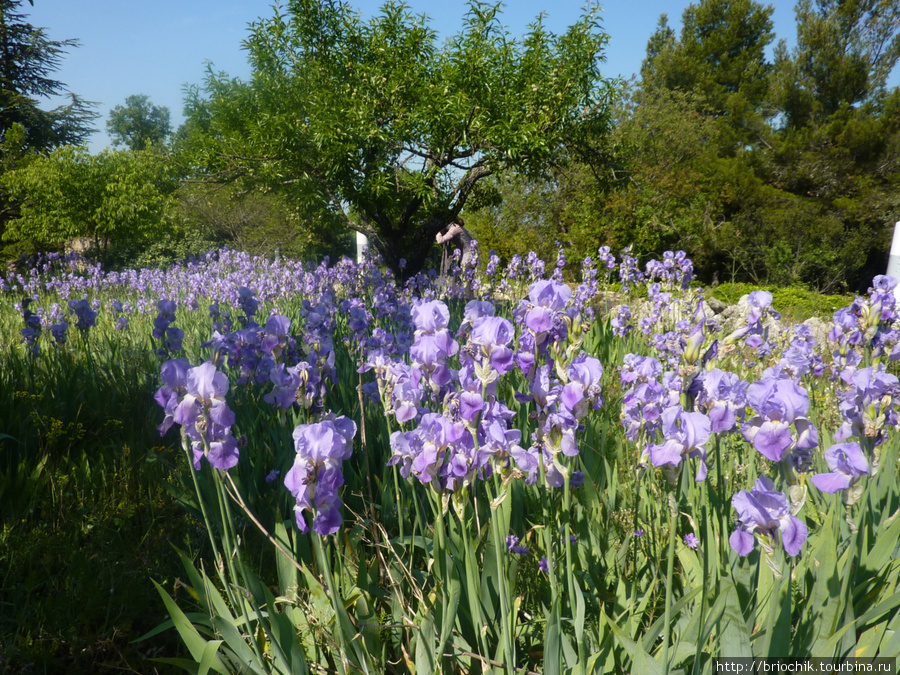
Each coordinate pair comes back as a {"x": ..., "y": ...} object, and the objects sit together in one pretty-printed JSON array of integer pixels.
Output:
[
  {"x": 115, "y": 195},
  {"x": 386, "y": 129},
  {"x": 139, "y": 124},
  {"x": 28, "y": 59}
]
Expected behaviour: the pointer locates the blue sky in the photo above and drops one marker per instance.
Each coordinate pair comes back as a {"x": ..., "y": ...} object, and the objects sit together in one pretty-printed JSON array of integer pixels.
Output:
[{"x": 156, "y": 47}]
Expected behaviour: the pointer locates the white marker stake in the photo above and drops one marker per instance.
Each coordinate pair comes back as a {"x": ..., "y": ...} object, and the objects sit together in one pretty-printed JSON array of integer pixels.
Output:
[
  {"x": 893, "y": 268},
  {"x": 362, "y": 241}
]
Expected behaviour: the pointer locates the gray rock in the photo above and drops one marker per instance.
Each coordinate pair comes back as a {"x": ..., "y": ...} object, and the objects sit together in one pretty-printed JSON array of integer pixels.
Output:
[{"x": 716, "y": 305}]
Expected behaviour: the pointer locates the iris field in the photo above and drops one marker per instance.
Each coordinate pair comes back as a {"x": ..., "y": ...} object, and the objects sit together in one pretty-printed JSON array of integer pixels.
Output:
[{"x": 324, "y": 470}]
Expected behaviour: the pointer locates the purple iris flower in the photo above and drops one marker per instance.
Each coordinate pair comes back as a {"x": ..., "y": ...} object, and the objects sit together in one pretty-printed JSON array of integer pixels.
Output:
[
  {"x": 475, "y": 310},
  {"x": 754, "y": 334},
  {"x": 620, "y": 323},
  {"x": 164, "y": 319},
  {"x": 764, "y": 511},
  {"x": 685, "y": 435},
  {"x": 59, "y": 330},
  {"x": 276, "y": 335},
  {"x": 205, "y": 389},
  {"x": 316, "y": 475},
  {"x": 582, "y": 393},
  {"x": 512, "y": 545},
  {"x": 433, "y": 342},
  {"x": 848, "y": 464},
  {"x": 491, "y": 336},
  {"x": 722, "y": 396},
  {"x": 399, "y": 384},
  {"x": 174, "y": 379},
  {"x": 174, "y": 338},
  {"x": 87, "y": 317},
  {"x": 284, "y": 391},
  {"x": 547, "y": 299},
  {"x": 205, "y": 416},
  {"x": 248, "y": 303},
  {"x": 431, "y": 317},
  {"x": 503, "y": 443},
  {"x": 779, "y": 403},
  {"x": 868, "y": 404}
]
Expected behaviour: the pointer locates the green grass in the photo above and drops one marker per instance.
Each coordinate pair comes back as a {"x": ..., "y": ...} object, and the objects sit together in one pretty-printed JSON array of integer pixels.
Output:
[
  {"x": 85, "y": 516},
  {"x": 795, "y": 303}
]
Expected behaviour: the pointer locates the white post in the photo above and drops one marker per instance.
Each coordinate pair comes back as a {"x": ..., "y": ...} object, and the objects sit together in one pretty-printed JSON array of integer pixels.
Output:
[
  {"x": 893, "y": 269},
  {"x": 362, "y": 241}
]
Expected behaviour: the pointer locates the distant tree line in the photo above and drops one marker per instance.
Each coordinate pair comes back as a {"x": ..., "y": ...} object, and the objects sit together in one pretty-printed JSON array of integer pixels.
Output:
[{"x": 781, "y": 170}]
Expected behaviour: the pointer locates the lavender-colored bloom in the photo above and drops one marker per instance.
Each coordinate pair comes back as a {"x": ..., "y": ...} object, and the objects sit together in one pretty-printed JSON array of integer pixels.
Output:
[
  {"x": 87, "y": 317},
  {"x": 868, "y": 404},
  {"x": 433, "y": 342},
  {"x": 802, "y": 356},
  {"x": 174, "y": 379},
  {"x": 205, "y": 389},
  {"x": 754, "y": 334},
  {"x": 248, "y": 303},
  {"x": 491, "y": 337},
  {"x": 547, "y": 299},
  {"x": 195, "y": 399},
  {"x": 284, "y": 390},
  {"x": 174, "y": 338},
  {"x": 764, "y": 511},
  {"x": 512, "y": 545},
  {"x": 685, "y": 435},
  {"x": 722, "y": 396},
  {"x": 621, "y": 322},
  {"x": 276, "y": 337},
  {"x": 503, "y": 443},
  {"x": 164, "y": 318},
  {"x": 639, "y": 532},
  {"x": 544, "y": 565},
  {"x": 431, "y": 317},
  {"x": 59, "y": 331},
  {"x": 647, "y": 397},
  {"x": 691, "y": 541},
  {"x": 779, "y": 403},
  {"x": 629, "y": 272},
  {"x": 316, "y": 475},
  {"x": 848, "y": 464},
  {"x": 582, "y": 393}
]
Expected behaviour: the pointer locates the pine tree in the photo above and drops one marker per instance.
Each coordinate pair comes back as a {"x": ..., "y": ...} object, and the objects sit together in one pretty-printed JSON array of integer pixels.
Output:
[{"x": 28, "y": 59}]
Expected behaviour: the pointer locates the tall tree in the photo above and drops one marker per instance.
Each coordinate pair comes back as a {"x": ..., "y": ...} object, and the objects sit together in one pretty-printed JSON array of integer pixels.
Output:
[
  {"x": 845, "y": 51},
  {"x": 139, "y": 123},
  {"x": 720, "y": 61},
  {"x": 117, "y": 196},
  {"x": 390, "y": 132},
  {"x": 28, "y": 59}
]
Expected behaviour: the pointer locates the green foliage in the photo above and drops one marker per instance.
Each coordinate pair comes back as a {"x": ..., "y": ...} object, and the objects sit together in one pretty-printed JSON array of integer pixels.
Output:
[
  {"x": 28, "y": 59},
  {"x": 85, "y": 513},
  {"x": 139, "y": 124},
  {"x": 113, "y": 196},
  {"x": 720, "y": 60},
  {"x": 260, "y": 222},
  {"x": 843, "y": 56},
  {"x": 380, "y": 121},
  {"x": 796, "y": 304},
  {"x": 708, "y": 156}
]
